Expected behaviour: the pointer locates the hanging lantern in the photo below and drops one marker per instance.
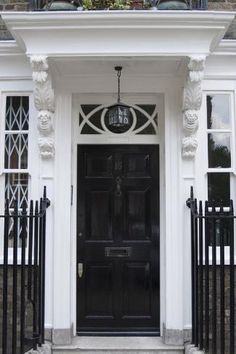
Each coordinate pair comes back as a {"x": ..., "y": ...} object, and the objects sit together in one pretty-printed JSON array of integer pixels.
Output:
[{"x": 119, "y": 114}]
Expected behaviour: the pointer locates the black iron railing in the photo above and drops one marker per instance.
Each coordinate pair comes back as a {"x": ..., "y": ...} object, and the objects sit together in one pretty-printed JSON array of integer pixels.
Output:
[
  {"x": 23, "y": 276},
  {"x": 44, "y": 5},
  {"x": 213, "y": 278}
]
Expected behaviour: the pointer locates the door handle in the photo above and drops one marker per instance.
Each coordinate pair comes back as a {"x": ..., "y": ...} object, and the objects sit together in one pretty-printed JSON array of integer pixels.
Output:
[{"x": 80, "y": 269}]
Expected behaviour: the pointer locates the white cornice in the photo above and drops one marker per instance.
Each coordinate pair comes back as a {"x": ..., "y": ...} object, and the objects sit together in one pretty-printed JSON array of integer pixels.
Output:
[
  {"x": 9, "y": 48},
  {"x": 118, "y": 33},
  {"x": 226, "y": 47}
]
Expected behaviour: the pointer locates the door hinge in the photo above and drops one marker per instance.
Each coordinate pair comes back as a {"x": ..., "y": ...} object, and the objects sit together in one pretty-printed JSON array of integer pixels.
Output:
[
  {"x": 80, "y": 269},
  {"x": 71, "y": 195}
]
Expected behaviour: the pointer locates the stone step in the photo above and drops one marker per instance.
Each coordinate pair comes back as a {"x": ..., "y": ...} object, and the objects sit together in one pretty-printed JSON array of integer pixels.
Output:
[{"x": 117, "y": 345}]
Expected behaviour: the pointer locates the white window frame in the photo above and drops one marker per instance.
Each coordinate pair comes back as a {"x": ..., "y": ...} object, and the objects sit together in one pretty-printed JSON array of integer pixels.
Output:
[
  {"x": 32, "y": 168},
  {"x": 231, "y": 170},
  {"x": 111, "y": 138}
]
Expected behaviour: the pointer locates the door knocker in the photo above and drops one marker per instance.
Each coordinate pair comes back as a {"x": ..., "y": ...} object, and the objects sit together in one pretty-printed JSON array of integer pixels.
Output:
[{"x": 118, "y": 187}]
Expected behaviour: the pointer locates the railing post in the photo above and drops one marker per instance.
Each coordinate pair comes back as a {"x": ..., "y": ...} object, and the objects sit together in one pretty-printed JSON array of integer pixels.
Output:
[
  {"x": 5, "y": 280},
  {"x": 23, "y": 246},
  {"x": 35, "y": 277},
  {"x": 192, "y": 269},
  {"x": 206, "y": 278},
  {"x": 214, "y": 290},
  {"x": 30, "y": 252},
  {"x": 222, "y": 282},
  {"x": 15, "y": 270},
  {"x": 200, "y": 277},
  {"x": 40, "y": 276},
  {"x": 196, "y": 271},
  {"x": 232, "y": 284},
  {"x": 43, "y": 254}
]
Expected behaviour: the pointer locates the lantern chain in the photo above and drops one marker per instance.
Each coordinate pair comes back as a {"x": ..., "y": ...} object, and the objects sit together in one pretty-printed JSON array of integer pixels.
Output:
[{"x": 118, "y": 69}]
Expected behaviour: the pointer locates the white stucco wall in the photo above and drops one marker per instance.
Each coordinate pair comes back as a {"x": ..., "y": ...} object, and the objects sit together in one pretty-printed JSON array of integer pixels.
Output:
[{"x": 146, "y": 74}]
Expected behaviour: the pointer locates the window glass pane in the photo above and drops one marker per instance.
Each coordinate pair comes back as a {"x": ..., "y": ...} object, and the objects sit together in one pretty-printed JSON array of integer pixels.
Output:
[
  {"x": 16, "y": 188},
  {"x": 16, "y": 151},
  {"x": 219, "y": 150},
  {"x": 17, "y": 113},
  {"x": 219, "y": 228},
  {"x": 218, "y": 111},
  {"x": 219, "y": 187}
]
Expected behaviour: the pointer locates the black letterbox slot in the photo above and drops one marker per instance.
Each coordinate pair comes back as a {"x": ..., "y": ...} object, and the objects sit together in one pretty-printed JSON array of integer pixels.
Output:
[{"x": 118, "y": 251}]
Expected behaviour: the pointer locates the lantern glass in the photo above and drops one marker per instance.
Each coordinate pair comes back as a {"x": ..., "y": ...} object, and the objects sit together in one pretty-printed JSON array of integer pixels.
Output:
[{"x": 119, "y": 118}]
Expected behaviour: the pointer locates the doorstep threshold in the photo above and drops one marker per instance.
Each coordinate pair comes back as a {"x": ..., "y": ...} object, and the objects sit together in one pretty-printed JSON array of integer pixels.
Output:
[{"x": 117, "y": 343}]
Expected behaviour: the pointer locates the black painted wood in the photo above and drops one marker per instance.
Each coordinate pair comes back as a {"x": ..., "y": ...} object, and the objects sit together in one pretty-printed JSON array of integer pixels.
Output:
[{"x": 118, "y": 239}]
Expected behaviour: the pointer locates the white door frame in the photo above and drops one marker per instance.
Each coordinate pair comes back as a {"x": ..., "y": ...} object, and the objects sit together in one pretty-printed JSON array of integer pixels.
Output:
[{"x": 79, "y": 139}]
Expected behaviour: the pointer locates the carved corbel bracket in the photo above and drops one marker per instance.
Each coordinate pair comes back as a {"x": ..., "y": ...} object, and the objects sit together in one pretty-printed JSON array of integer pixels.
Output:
[
  {"x": 46, "y": 147},
  {"x": 45, "y": 104},
  {"x": 192, "y": 100}
]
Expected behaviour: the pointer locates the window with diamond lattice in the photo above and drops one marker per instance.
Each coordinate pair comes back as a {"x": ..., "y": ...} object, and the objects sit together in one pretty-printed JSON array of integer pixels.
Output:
[{"x": 16, "y": 150}]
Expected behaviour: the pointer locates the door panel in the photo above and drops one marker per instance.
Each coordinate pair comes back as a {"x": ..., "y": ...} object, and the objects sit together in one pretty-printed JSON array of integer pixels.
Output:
[
  {"x": 137, "y": 165},
  {"x": 137, "y": 214},
  {"x": 98, "y": 165},
  {"x": 136, "y": 290},
  {"x": 99, "y": 285},
  {"x": 98, "y": 215},
  {"x": 118, "y": 239}
]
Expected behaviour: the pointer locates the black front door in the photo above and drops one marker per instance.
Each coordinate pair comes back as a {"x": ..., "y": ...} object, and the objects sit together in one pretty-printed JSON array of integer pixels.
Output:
[{"x": 118, "y": 239}]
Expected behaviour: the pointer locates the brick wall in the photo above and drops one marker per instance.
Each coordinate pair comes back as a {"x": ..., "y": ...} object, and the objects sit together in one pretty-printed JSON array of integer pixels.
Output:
[
  {"x": 29, "y": 313},
  {"x": 218, "y": 307},
  {"x": 14, "y": 5},
  {"x": 227, "y": 5}
]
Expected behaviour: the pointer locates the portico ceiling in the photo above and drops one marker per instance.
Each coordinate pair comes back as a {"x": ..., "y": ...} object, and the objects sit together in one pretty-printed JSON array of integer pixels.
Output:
[
  {"x": 97, "y": 74},
  {"x": 132, "y": 67}
]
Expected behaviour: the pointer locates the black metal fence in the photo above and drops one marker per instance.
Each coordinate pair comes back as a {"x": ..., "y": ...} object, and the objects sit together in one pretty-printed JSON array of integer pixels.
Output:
[
  {"x": 44, "y": 5},
  {"x": 213, "y": 276},
  {"x": 198, "y": 4},
  {"x": 23, "y": 276}
]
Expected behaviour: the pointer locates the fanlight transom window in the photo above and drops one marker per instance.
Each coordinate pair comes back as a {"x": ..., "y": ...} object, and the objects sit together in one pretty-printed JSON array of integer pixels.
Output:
[{"x": 93, "y": 119}]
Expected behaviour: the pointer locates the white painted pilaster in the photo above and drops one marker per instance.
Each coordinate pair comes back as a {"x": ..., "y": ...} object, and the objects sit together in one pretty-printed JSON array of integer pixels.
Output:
[
  {"x": 173, "y": 333},
  {"x": 62, "y": 226}
]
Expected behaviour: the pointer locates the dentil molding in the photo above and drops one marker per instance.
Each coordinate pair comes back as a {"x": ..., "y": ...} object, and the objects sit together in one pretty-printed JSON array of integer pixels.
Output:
[
  {"x": 45, "y": 104},
  {"x": 192, "y": 100}
]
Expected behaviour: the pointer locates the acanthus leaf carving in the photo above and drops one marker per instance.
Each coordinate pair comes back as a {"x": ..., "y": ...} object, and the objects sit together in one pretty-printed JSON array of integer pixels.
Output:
[
  {"x": 45, "y": 104},
  {"x": 196, "y": 76},
  {"x": 39, "y": 63},
  {"x": 189, "y": 146},
  {"x": 192, "y": 100},
  {"x": 46, "y": 147},
  {"x": 192, "y": 96},
  {"x": 44, "y": 97},
  {"x": 40, "y": 76},
  {"x": 196, "y": 63}
]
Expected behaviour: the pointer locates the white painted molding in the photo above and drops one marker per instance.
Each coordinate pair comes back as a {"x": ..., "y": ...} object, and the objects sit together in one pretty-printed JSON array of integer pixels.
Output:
[
  {"x": 46, "y": 147},
  {"x": 45, "y": 104},
  {"x": 226, "y": 47},
  {"x": 110, "y": 33},
  {"x": 9, "y": 48},
  {"x": 192, "y": 100}
]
